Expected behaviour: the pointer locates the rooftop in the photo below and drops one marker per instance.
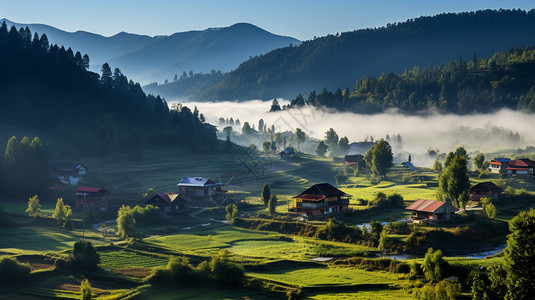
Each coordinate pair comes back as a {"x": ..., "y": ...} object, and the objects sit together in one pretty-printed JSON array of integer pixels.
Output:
[
  {"x": 323, "y": 190},
  {"x": 197, "y": 181},
  {"x": 425, "y": 205},
  {"x": 486, "y": 186},
  {"x": 87, "y": 189}
]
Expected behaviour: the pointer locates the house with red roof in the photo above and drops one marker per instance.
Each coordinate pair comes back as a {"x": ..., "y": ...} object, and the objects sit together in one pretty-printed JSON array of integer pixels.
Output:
[
  {"x": 167, "y": 202},
  {"x": 499, "y": 165},
  {"x": 485, "y": 189},
  {"x": 91, "y": 197},
  {"x": 320, "y": 201},
  {"x": 423, "y": 210},
  {"x": 521, "y": 167}
]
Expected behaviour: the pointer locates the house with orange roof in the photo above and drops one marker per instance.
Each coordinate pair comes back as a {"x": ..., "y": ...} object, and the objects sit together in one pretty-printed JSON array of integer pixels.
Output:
[
  {"x": 423, "y": 210},
  {"x": 521, "y": 167}
]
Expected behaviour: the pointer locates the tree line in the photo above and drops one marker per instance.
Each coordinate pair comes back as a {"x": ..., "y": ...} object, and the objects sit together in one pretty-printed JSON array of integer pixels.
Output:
[{"x": 505, "y": 80}]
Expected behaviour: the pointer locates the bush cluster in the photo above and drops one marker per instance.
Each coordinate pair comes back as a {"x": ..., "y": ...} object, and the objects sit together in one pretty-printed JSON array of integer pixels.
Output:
[
  {"x": 382, "y": 200},
  {"x": 180, "y": 272},
  {"x": 13, "y": 273}
]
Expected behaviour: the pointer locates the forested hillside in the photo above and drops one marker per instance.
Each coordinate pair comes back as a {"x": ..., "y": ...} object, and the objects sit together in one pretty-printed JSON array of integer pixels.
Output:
[
  {"x": 505, "y": 80},
  {"x": 338, "y": 60},
  {"x": 48, "y": 89}
]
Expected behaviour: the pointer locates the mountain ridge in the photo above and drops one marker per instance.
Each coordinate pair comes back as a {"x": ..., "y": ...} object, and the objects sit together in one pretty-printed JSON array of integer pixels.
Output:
[
  {"x": 156, "y": 58},
  {"x": 337, "y": 61}
]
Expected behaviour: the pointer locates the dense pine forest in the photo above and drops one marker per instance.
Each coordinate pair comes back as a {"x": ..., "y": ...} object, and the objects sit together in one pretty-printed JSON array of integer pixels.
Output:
[
  {"x": 338, "y": 60},
  {"x": 48, "y": 89},
  {"x": 505, "y": 80}
]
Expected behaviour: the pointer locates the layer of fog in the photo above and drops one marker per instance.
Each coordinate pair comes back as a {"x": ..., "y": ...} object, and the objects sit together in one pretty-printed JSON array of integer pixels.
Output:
[{"x": 487, "y": 133}]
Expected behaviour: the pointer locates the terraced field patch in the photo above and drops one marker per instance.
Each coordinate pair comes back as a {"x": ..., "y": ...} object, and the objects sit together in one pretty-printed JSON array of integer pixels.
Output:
[
  {"x": 122, "y": 259},
  {"x": 316, "y": 277}
]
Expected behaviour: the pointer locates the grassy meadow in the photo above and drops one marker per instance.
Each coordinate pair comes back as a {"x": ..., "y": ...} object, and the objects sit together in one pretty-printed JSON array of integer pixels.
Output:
[{"x": 278, "y": 261}]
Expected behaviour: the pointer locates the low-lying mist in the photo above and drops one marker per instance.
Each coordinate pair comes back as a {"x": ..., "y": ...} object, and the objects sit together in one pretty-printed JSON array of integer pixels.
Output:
[{"x": 487, "y": 133}]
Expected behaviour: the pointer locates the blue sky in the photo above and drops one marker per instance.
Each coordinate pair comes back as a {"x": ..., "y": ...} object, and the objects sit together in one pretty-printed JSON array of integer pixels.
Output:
[{"x": 302, "y": 19}]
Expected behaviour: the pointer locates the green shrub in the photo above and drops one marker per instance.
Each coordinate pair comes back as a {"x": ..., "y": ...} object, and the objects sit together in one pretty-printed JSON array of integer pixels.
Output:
[
  {"x": 433, "y": 265},
  {"x": 160, "y": 276},
  {"x": 84, "y": 256},
  {"x": 444, "y": 290},
  {"x": 484, "y": 174},
  {"x": 398, "y": 228},
  {"x": 395, "y": 199},
  {"x": 232, "y": 211},
  {"x": 86, "y": 290},
  {"x": 224, "y": 271},
  {"x": 13, "y": 273},
  {"x": 180, "y": 272},
  {"x": 147, "y": 215}
]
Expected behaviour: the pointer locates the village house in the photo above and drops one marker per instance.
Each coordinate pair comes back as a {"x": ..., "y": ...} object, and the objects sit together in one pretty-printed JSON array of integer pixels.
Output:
[
  {"x": 201, "y": 190},
  {"x": 166, "y": 202},
  {"x": 499, "y": 165},
  {"x": 485, "y": 189},
  {"x": 521, "y": 167},
  {"x": 91, "y": 197},
  {"x": 353, "y": 159},
  {"x": 424, "y": 211},
  {"x": 288, "y": 153},
  {"x": 69, "y": 173},
  {"x": 320, "y": 201}
]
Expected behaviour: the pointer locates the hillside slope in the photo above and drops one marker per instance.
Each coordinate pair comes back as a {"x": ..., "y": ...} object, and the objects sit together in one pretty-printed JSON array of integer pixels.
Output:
[{"x": 336, "y": 61}]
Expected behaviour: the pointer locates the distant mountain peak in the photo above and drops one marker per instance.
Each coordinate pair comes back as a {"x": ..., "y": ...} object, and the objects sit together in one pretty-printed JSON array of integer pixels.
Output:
[{"x": 149, "y": 59}]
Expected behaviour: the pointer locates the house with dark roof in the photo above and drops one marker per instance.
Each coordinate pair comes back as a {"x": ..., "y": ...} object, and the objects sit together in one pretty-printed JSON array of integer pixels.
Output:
[
  {"x": 485, "y": 189},
  {"x": 201, "y": 190},
  {"x": 320, "y": 201},
  {"x": 353, "y": 159},
  {"x": 69, "y": 173},
  {"x": 521, "y": 167},
  {"x": 91, "y": 197},
  {"x": 288, "y": 153},
  {"x": 499, "y": 165},
  {"x": 167, "y": 202},
  {"x": 423, "y": 210}
]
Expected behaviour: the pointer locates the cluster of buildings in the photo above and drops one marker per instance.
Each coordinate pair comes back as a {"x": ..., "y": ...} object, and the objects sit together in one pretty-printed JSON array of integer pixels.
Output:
[
  {"x": 196, "y": 191},
  {"x": 319, "y": 201},
  {"x": 512, "y": 168}
]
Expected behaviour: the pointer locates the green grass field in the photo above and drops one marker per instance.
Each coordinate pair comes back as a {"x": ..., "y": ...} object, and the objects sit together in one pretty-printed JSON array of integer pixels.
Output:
[
  {"x": 161, "y": 169},
  {"x": 314, "y": 277},
  {"x": 122, "y": 259},
  {"x": 39, "y": 239},
  {"x": 254, "y": 244}
]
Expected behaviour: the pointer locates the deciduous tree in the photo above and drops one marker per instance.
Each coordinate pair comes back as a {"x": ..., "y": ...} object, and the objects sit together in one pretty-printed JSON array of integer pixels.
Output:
[
  {"x": 125, "y": 222},
  {"x": 321, "y": 149},
  {"x": 454, "y": 180},
  {"x": 34, "y": 207},
  {"x": 300, "y": 136},
  {"x": 379, "y": 158},
  {"x": 520, "y": 256},
  {"x": 479, "y": 159}
]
